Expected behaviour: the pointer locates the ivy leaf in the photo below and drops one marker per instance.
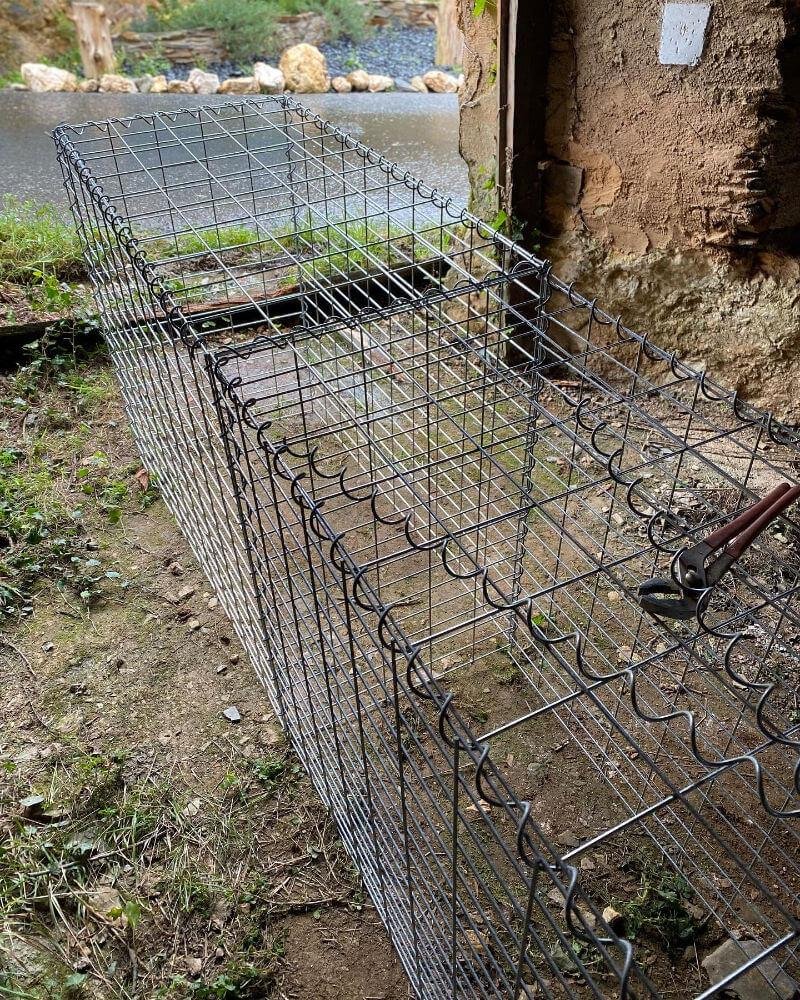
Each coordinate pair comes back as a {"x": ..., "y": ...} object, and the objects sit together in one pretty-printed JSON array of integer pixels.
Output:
[
  {"x": 500, "y": 219},
  {"x": 478, "y": 8}
]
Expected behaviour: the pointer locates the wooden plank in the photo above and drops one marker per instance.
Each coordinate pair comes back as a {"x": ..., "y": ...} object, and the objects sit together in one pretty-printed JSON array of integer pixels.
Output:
[
  {"x": 524, "y": 56},
  {"x": 524, "y": 46}
]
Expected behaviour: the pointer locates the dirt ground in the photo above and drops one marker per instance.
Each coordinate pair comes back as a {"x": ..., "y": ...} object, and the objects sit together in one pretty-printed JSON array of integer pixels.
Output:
[{"x": 148, "y": 846}]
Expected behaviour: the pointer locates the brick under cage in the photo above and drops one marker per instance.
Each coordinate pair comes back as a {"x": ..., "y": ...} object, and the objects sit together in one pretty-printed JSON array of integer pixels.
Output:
[{"x": 427, "y": 480}]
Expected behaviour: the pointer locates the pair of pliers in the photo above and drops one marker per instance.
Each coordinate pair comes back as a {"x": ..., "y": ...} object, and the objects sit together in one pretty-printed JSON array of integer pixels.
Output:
[{"x": 693, "y": 576}]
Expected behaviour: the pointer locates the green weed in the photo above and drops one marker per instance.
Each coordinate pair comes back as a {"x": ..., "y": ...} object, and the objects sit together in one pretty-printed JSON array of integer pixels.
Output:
[
  {"x": 224, "y": 238},
  {"x": 36, "y": 243},
  {"x": 663, "y": 908},
  {"x": 247, "y": 27}
]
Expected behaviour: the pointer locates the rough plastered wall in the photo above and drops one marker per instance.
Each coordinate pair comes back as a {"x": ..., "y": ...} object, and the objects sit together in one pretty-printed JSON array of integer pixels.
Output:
[
  {"x": 479, "y": 111},
  {"x": 652, "y": 156},
  {"x": 672, "y": 193}
]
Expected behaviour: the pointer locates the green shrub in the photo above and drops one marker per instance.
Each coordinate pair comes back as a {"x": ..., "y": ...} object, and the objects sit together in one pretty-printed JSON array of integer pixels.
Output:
[{"x": 247, "y": 27}]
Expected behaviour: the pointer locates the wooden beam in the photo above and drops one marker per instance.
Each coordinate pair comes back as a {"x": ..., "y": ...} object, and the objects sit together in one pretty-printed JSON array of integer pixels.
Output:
[
  {"x": 523, "y": 51},
  {"x": 523, "y": 56},
  {"x": 94, "y": 39},
  {"x": 449, "y": 40}
]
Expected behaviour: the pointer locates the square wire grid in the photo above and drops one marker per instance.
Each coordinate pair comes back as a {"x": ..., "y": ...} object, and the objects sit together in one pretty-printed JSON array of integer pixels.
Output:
[{"x": 432, "y": 555}]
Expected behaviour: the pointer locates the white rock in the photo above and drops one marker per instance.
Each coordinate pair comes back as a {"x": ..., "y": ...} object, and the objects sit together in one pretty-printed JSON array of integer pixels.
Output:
[
  {"x": 305, "y": 70},
  {"x": 113, "y": 83},
  {"x": 439, "y": 82},
  {"x": 269, "y": 78},
  {"x": 341, "y": 85},
  {"x": 379, "y": 83},
  {"x": 240, "y": 85},
  {"x": 418, "y": 84},
  {"x": 359, "y": 80},
  {"x": 159, "y": 85},
  {"x": 202, "y": 82},
  {"x": 43, "y": 79}
]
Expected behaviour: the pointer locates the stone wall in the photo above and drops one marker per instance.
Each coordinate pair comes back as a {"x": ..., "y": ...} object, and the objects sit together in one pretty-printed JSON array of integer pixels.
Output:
[
  {"x": 412, "y": 13},
  {"x": 202, "y": 46}
]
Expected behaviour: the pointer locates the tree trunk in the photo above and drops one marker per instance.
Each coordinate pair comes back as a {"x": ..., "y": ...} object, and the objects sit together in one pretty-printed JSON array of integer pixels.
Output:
[
  {"x": 449, "y": 40},
  {"x": 94, "y": 39}
]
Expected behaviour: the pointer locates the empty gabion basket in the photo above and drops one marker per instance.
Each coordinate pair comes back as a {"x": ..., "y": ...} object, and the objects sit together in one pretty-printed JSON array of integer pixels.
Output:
[{"x": 429, "y": 482}]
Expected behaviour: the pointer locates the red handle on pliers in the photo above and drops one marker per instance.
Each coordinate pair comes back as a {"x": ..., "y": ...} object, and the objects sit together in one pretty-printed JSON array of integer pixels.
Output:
[{"x": 744, "y": 529}]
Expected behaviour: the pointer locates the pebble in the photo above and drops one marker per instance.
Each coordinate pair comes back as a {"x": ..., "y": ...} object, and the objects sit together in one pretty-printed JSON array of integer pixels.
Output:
[
  {"x": 212, "y": 603},
  {"x": 185, "y": 593},
  {"x": 193, "y": 624},
  {"x": 222, "y": 668},
  {"x": 194, "y": 966},
  {"x": 232, "y": 714}
]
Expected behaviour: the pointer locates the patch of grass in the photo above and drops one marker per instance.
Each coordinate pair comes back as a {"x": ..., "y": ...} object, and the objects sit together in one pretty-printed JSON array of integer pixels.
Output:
[
  {"x": 37, "y": 246},
  {"x": 223, "y": 238},
  {"x": 14, "y": 77},
  {"x": 152, "y": 63},
  {"x": 45, "y": 497},
  {"x": 346, "y": 247}
]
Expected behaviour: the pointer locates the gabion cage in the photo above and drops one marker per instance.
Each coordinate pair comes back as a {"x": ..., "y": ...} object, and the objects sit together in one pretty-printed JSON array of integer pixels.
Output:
[{"x": 428, "y": 480}]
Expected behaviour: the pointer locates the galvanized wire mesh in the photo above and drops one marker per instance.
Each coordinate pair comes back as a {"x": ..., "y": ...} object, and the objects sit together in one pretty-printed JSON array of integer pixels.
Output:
[{"x": 426, "y": 479}]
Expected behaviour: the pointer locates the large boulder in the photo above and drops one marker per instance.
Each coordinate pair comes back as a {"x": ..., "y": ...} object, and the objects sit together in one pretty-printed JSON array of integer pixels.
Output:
[
  {"x": 379, "y": 83},
  {"x": 418, "y": 84},
  {"x": 202, "y": 82},
  {"x": 179, "y": 87},
  {"x": 341, "y": 85},
  {"x": 440, "y": 83},
  {"x": 270, "y": 80},
  {"x": 43, "y": 79},
  {"x": 240, "y": 85},
  {"x": 359, "y": 79},
  {"x": 159, "y": 85},
  {"x": 113, "y": 83},
  {"x": 305, "y": 70},
  {"x": 90, "y": 86}
]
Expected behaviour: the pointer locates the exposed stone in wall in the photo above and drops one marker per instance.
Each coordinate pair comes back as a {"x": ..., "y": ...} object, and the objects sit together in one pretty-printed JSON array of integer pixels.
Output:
[
  {"x": 479, "y": 108},
  {"x": 736, "y": 315}
]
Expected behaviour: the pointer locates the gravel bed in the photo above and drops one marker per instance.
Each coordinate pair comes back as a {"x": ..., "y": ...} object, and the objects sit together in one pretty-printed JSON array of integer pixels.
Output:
[{"x": 395, "y": 52}]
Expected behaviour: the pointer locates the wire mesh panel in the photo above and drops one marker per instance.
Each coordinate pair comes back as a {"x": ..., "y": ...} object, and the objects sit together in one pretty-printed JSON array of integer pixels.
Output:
[{"x": 447, "y": 503}]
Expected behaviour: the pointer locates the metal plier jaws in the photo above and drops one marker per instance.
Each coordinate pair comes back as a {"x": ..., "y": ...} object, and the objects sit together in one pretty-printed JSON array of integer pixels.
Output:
[{"x": 693, "y": 576}]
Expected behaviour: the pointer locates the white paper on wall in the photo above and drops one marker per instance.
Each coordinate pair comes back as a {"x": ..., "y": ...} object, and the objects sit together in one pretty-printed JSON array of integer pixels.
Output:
[{"x": 683, "y": 33}]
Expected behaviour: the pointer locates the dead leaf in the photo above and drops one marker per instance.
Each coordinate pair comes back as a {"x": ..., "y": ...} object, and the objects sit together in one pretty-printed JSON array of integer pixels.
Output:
[{"x": 142, "y": 477}]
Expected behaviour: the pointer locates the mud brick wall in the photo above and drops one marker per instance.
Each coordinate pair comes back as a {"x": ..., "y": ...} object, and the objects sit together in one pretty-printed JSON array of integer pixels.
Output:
[
  {"x": 670, "y": 192},
  {"x": 644, "y": 155}
]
